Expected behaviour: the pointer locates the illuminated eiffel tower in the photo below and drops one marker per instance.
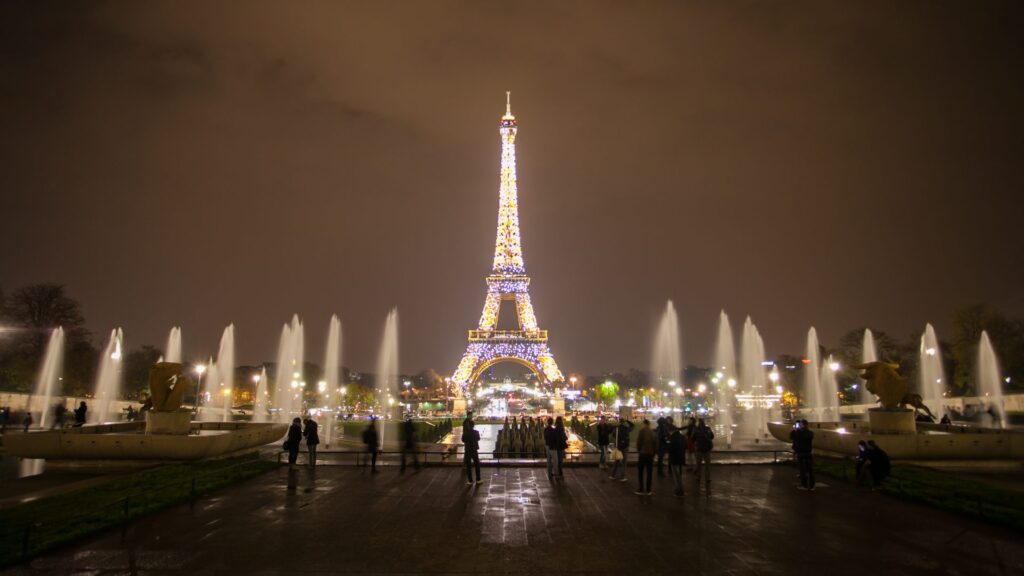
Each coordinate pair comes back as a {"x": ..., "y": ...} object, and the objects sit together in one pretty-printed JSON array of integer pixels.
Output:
[{"x": 508, "y": 281}]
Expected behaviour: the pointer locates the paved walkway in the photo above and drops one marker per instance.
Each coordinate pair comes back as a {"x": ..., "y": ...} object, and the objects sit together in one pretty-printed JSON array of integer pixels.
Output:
[{"x": 342, "y": 519}]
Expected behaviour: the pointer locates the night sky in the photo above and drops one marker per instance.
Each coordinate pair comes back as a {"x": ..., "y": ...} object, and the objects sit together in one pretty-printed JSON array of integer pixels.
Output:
[{"x": 198, "y": 163}]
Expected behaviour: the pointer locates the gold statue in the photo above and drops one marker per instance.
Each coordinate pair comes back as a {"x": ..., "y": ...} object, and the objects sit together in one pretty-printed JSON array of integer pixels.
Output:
[{"x": 884, "y": 381}]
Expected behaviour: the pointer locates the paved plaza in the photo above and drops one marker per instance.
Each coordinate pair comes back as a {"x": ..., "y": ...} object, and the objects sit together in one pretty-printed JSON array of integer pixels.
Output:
[{"x": 342, "y": 519}]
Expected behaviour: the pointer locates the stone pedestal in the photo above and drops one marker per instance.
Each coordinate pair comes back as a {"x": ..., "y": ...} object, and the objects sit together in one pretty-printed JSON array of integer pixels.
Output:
[
  {"x": 558, "y": 406},
  {"x": 459, "y": 406},
  {"x": 892, "y": 421},
  {"x": 178, "y": 422}
]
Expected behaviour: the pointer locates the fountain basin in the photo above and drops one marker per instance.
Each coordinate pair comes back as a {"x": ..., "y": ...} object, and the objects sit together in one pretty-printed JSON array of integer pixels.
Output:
[
  {"x": 128, "y": 441},
  {"x": 928, "y": 442}
]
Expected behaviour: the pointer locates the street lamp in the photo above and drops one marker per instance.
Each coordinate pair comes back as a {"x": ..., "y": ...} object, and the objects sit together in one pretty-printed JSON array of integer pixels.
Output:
[{"x": 200, "y": 368}]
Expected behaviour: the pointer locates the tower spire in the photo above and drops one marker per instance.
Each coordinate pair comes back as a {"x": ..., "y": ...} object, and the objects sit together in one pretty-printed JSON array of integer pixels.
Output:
[
  {"x": 508, "y": 106},
  {"x": 508, "y": 251}
]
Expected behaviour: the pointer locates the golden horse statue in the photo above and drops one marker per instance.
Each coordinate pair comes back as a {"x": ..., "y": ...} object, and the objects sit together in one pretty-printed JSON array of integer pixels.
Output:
[{"x": 883, "y": 380}]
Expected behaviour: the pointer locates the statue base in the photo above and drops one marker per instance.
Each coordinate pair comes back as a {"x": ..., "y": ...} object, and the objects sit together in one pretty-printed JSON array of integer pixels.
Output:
[
  {"x": 178, "y": 422},
  {"x": 558, "y": 406},
  {"x": 459, "y": 406},
  {"x": 892, "y": 421}
]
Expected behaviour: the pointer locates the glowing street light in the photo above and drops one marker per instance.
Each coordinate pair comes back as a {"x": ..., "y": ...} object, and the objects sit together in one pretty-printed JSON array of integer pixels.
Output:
[
  {"x": 321, "y": 385},
  {"x": 200, "y": 368},
  {"x": 834, "y": 366},
  {"x": 732, "y": 382}
]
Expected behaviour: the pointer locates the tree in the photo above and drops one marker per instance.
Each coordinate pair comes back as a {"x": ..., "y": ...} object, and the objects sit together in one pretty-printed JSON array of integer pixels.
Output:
[
  {"x": 1006, "y": 334},
  {"x": 606, "y": 392},
  {"x": 137, "y": 363},
  {"x": 36, "y": 310}
]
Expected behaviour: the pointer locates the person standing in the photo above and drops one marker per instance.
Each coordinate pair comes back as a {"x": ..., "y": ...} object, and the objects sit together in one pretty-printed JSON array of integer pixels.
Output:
[
  {"x": 560, "y": 441},
  {"x": 312, "y": 439},
  {"x": 80, "y": 414},
  {"x": 691, "y": 449},
  {"x": 646, "y": 445},
  {"x": 27, "y": 421},
  {"x": 409, "y": 443},
  {"x": 549, "y": 446},
  {"x": 294, "y": 441},
  {"x": 622, "y": 445},
  {"x": 803, "y": 444},
  {"x": 703, "y": 442},
  {"x": 59, "y": 410},
  {"x": 664, "y": 427},
  {"x": 677, "y": 457},
  {"x": 372, "y": 442},
  {"x": 604, "y": 435},
  {"x": 471, "y": 443}
]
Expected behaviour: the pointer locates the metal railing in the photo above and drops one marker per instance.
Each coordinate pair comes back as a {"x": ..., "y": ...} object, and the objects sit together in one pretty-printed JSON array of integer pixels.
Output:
[{"x": 455, "y": 457}]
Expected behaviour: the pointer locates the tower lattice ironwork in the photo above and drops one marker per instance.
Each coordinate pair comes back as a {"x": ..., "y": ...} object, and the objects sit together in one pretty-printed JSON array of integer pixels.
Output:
[{"x": 508, "y": 281}]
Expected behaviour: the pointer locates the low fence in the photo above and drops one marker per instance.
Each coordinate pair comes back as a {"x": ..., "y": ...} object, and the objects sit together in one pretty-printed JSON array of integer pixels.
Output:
[
  {"x": 20, "y": 541},
  {"x": 455, "y": 458}
]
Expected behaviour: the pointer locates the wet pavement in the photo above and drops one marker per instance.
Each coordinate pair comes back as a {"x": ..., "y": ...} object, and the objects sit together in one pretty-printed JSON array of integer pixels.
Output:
[{"x": 343, "y": 520}]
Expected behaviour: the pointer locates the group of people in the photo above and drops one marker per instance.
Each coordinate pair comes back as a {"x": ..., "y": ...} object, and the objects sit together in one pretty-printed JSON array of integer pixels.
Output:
[
  {"x": 873, "y": 464},
  {"x": 26, "y": 420},
  {"x": 675, "y": 442},
  {"x": 300, "y": 429}
]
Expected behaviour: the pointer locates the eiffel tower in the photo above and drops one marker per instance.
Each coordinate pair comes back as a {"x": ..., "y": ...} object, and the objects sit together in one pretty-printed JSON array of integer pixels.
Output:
[{"x": 508, "y": 281}]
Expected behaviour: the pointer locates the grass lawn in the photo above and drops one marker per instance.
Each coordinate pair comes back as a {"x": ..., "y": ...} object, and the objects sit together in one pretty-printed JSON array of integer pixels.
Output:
[
  {"x": 33, "y": 527},
  {"x": 944, "y": 490}
]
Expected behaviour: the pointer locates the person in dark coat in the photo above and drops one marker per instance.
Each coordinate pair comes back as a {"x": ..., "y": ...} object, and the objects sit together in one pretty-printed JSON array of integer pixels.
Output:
[
  {"x": 663, "y": 430},
  {"x": 372, "y": 442},
  {"x": 409, "y": 443},
  {"x": 311, "y": 432},
  {"x": 80, "y": 414},
  {"x": 803, "y": 444},
  {"x": 294, "y": 441},
  {"x": 604, "y": 437},
  {"x": 471, "y": 443},
  {"x": 677, "y": 457},
  {"x": 549, "y": 446},
  {"x": 622, "y": 444},
  {"x": 703, "y": 442},
  {"x": 880, "y": 464},
  {"x": 646, "y": 446},
  {"x": 560, "y": 443},
  {"x": 59, "y": 411}
]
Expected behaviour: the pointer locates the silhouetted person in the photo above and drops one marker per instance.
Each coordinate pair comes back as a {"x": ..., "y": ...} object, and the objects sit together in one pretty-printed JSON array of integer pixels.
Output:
[
  {"x": 80, "y": 414},
  {"x": 59, "y": 411},
  {"x": 604, "y": 436},
  {"x": 622, "y": 445},
  {"x": 549, "y": 446},
  {"x": 863, "y": 465},
  {"x": 294, "y": 441},
  {"x": 646, "y": 446},
  {"x": 945, "y": 419},
  {"x": 677, "y": 457},
  {"x": 409, "y": 443},
  {"x": 560, "y": 442},
  {"x": 5, "y": 417},
  {"x": 691, "y": 448},
  {"x": 27, "y": 422},
  {"x": 312, "y": 434},
  {"x": 880, "y": 464},
  {"x": 372, "y": 444},
  {"x": 471, "y": 443},
  {"x": 803, "y": 440},
  {"x": 663, "y": 430},
  {"x": 703, "y": 443}
]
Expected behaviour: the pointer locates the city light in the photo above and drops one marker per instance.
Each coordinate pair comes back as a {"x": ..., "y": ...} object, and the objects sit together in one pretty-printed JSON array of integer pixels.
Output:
[
  {"x": 834, "y": 366},
  {"x": 321, "y": 385},
  {"x": 200, "y": 368},
  {"x": 732, "y": 382}
]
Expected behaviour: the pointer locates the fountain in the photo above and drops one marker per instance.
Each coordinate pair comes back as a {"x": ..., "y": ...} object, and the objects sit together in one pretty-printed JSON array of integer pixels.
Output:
[
  {"x": 221, "y": 378},
  {"x": 665, "y": 361},
  {"x": 332, "y": 376},
  {"x": 990, "y": 381},
  {"x": 724, "y": 377},
  {"x": 49, "y": 376},
  {"x": 868, "y": 353},
  {"x": 812, "y": 377},
  {"x": 173, "y": 351},
  {"x": 829, "y": 390},
  {"x": 752, "y": 378},
  {"x": 387, "y": 369},
  {"x": 259, "y": 394},
  {"x": 932, "y": 379},
  {"x": 108, "y": 383},
  {"x": 288, "y": 378}
]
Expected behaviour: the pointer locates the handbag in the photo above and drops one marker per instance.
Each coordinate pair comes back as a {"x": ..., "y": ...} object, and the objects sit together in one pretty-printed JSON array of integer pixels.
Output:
[
  {"x": 284, "y": 447},
  {"x": 616, "y": 453}
]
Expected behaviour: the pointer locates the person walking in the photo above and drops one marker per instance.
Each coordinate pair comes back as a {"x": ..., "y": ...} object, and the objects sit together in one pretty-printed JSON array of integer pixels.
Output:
[
  {"x": 372, "y": 442},
  {"x": 703, "y": 441},
  {"x": 294, "y": 441},
  {"x": 677, "y": 457},
  {"x": 27, "y": 422},
  {"x": 409, "y": 443},
  {"x": 663, "y": 430},
  {"x": 622, "y": 445},
  {"x": 312, "y": 435},
  {"x": 80, "y": 414},
  {"x": 471, "y": 443},
  {"x": 803, "y": 444},
  {"x": 560, "y": 442},
  {"x": 604, "y": 435},
  {"x": 646, "y": 446}
]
